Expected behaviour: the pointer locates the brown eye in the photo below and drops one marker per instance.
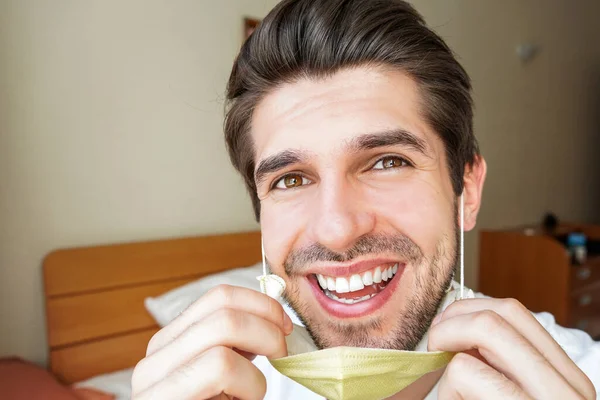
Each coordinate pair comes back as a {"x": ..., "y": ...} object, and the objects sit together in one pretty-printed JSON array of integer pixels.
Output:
[
  {"x": 390, "y": 162},
  {"x": 291, "y": 181}
]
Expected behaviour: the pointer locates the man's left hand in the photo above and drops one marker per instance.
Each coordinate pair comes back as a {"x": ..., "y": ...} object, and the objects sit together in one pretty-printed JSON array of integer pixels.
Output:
[{"x": 503, "y": 353}]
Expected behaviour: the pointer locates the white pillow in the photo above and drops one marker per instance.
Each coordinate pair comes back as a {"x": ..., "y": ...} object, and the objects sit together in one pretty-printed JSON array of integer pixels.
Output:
[
  {"x": 169, "y": 305},
  {"x": 117, "y": 383}
]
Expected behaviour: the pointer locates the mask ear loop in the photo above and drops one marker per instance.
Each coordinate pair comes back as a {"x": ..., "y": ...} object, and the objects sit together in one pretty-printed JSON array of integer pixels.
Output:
[
  {"x": 462, "y": 245},
  {"x": 270, "y": 284},
  {"x": 264, "y": 260}
]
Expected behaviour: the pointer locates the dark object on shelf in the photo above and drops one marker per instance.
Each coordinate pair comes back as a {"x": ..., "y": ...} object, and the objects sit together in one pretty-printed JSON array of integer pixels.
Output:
[
  {"x": 593, "y": 248},
  {"x": 550, "y": 223}
]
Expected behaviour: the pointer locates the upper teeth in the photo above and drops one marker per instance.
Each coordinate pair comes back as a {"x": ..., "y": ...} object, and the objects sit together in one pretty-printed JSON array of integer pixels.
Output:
[{"x": 357, "y": 281}]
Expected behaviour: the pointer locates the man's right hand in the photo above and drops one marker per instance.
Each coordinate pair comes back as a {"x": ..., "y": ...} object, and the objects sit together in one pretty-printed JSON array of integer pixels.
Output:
[{"x": 206, "y": 352}]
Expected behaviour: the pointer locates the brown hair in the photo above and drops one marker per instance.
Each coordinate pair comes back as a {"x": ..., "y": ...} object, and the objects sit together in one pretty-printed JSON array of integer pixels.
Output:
[{"x": 317, "y": 38}]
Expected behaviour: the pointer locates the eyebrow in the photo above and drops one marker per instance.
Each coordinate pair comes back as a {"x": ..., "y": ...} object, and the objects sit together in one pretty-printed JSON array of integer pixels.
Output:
[
  {"x": 392, "y": 137},
  {"x": 277, "y": 162},
  {"x": 369, "y": 141}
]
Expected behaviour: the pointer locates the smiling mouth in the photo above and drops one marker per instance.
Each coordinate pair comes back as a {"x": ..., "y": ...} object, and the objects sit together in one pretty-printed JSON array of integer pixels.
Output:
[{"x": 357, "y": 288}]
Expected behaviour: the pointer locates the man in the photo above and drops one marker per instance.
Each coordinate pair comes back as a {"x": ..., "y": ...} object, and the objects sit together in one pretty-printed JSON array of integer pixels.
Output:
[{"x": 351, "y": 123}]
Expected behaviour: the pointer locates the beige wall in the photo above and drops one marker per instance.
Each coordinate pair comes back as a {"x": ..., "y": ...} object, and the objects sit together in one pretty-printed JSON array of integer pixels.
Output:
[
  {"x": 110, "y": 125},
  {"x": 537, "y": 123},
  {"x": 111, "y": 115}
]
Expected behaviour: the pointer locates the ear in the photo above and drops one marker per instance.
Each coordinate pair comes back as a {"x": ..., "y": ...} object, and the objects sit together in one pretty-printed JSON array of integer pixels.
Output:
[{"x": 473, "y": 188}]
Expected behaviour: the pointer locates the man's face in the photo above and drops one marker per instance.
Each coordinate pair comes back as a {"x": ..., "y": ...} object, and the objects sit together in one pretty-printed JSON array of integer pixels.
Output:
[{"x": 358, "y": 214}]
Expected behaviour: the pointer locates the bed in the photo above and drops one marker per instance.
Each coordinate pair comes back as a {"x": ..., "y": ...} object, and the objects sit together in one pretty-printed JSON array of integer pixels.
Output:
[{"x": 97, "y": 325}]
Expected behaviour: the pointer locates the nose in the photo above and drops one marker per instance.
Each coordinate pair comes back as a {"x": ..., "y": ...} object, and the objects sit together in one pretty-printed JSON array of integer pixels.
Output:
[{"x": 340, "y": 216}]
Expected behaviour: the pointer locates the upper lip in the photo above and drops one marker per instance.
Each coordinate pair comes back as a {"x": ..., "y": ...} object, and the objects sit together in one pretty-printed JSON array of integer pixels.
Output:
[{"x": 351, "y": 269}]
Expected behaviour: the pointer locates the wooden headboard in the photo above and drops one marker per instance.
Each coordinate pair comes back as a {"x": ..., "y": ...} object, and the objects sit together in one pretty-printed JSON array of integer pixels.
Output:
[{"x": 96, "y": 320}]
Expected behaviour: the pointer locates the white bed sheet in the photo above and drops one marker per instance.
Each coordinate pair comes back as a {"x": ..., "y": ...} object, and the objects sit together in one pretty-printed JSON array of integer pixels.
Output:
[{"x": 117, "y": 383}]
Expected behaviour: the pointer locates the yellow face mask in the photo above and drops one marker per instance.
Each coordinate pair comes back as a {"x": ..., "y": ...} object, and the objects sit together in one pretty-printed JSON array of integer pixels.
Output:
[{"x": 351, "y": 373}]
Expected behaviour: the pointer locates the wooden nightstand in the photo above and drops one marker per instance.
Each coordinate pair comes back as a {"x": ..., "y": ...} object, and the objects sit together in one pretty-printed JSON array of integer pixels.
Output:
[{"x": 535, "y": 269}]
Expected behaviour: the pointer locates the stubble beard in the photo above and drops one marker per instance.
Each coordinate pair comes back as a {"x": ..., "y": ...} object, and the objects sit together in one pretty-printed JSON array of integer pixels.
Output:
[{"x": 432, "y": 277}]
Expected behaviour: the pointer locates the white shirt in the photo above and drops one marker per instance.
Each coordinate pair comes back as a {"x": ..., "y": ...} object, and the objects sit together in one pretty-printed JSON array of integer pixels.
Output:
[{"x": 577, "y": 344}]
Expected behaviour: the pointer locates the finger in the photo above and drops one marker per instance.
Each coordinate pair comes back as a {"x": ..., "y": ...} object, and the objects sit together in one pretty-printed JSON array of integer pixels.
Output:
[
  {"x": 217, "y": 371},
  {"x": 504, "y": 349},
  {"x": 223, "y": 296},
  {"x": 528, "y": 326},
  {"x": 467, "y": 378},
  {"x": 225, "y": 327}
]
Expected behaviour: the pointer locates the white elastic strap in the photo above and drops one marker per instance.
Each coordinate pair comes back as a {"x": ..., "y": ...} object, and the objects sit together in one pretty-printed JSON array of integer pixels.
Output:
[
  {"x": 270, "y": 284},
  {"x": 264, "y": 261},
  {"x": 462, "y": 245}
]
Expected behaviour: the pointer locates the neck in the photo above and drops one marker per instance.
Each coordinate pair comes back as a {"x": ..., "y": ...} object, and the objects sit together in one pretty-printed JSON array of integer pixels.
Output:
[{"x": 420, "y": 388}]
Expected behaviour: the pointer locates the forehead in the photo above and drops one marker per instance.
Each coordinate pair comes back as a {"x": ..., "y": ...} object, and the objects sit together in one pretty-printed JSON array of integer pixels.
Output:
[{"x": 318, "y": 115}]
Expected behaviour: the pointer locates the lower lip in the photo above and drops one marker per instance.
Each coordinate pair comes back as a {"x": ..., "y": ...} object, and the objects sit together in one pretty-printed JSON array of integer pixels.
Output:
[{"x": 341, "y": 310}]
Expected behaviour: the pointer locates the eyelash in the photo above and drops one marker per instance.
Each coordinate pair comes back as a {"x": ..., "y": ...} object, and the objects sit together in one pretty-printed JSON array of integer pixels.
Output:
[
  {"x": 274, "y": 186},
  {"x": 404, "y": 161}
]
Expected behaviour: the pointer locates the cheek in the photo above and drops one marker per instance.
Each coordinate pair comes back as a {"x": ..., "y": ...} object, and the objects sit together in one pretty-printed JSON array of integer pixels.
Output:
[
  {"x": 416, "y": 208},
  {"x": 282, "y": 224}
]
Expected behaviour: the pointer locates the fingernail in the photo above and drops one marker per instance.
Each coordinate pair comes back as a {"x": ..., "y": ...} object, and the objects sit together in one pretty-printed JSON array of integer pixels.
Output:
[{"x": 437, "y": 319}]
